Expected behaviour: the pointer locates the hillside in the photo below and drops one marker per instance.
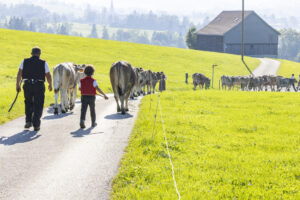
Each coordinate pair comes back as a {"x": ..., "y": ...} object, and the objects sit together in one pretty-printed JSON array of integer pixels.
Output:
[
  {"x": 175, "y": 62},
  {"x": 287, "y": 68}
]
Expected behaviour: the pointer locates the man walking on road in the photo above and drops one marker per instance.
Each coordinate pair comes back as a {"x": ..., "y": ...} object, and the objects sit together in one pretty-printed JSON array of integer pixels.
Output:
[{"x": 33, "y": 72}]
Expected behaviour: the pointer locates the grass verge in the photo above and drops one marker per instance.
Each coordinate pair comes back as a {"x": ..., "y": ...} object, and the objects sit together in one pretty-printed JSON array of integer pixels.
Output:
[{"x": 224, "y": 145}]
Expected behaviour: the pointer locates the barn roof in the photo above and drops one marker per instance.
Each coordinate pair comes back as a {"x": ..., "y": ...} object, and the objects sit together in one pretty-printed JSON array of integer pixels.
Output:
[{"x": 226, "y": 21}]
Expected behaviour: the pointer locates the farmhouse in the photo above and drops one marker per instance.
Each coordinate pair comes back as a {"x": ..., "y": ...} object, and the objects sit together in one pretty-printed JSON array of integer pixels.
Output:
[{"x": 224, "y": 34}]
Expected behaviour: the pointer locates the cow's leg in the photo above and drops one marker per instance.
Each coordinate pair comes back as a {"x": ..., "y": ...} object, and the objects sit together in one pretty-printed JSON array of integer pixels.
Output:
[
  {"x": 73, "y": 98},
  {"x": 126, "y": 101},
  {"x": 63, "y": 100},
  {"x": 70, "y": 99},
  {"x": 144, "y": 90},
  {"x": 122, "y": 98},
  {"x": 67, "y": 100},
  {"x": 117, "y": 97},
  {"x": 139, "y": 90},
  {"x": 56, "y": 96}
]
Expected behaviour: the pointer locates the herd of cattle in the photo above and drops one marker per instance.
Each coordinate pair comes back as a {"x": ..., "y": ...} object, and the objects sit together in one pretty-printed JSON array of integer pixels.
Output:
[
  {"x": 130, "y": 82},
  {"x": 249, "y": 83},
  {"x": 126, "y": 81}
]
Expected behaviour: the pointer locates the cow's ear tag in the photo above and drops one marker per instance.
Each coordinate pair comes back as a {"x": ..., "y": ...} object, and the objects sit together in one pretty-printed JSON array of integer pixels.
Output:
[{"x": 81, "y": 70}]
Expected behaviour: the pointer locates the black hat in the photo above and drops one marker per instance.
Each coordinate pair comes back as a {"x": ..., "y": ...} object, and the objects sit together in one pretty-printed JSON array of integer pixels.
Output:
[{"x": 36, "y": 50}]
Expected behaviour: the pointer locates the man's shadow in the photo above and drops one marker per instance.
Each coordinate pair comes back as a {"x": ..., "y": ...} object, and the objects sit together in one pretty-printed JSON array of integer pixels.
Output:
[
  {"x": 22, "y": 137},
  {"x": 83, "y": 132}
]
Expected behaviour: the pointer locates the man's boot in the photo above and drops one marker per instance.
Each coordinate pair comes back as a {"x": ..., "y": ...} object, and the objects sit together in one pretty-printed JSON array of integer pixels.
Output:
[
  {"x": 28, "y": 125},
  {"x": 82, "y": 124}
]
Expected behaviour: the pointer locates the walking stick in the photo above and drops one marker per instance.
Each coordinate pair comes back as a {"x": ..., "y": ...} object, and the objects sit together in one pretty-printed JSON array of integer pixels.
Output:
[{"x": 12, "y": 105}]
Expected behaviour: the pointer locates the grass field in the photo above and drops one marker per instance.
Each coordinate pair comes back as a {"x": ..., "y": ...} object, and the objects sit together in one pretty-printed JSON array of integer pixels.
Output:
[
  {"x": 224, "y": 145},
  {"x": 287, "y": 68},
  {"x": 16, "y": 45}
]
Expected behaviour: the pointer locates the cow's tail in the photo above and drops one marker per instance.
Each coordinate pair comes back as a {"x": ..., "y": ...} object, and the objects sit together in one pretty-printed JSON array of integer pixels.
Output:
[
  {"x": 121, "y": 88},
  {"x": 56, "y": 79}
]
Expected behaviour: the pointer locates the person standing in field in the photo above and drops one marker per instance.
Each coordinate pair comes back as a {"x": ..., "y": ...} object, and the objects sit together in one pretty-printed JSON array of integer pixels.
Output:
[
  {"x": 32, "y": 72},
  {"x": 186, "y": 78},
  {"x": 89, "y": 87},
  {"x": 162, "y": 82}
]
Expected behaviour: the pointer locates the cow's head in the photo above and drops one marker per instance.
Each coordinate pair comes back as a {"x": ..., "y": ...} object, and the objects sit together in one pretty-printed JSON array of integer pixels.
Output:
[{"x": 79, "y": 72}]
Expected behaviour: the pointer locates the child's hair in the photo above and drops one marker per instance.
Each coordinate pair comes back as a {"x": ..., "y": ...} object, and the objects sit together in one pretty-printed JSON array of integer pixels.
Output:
[{"x": 89, "y": 70}]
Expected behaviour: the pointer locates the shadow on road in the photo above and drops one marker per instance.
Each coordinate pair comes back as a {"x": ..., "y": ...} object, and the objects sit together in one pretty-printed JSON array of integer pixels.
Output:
[
  {"x": 118, "y": 116},
  {"x": 59, "y": 116},
  {"x": 84, "y": 132},
  {"x": 22, "y": 137}
]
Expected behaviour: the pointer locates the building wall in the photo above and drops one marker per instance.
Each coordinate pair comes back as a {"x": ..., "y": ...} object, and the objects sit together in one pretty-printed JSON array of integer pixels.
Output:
[
  {"x": 210, "y": 43},
  {"x": 252, "y": 49},
  {"x": 260, "y": 39}
]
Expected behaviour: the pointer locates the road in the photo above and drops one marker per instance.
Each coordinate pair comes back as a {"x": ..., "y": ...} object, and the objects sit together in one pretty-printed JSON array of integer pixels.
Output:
[
  {"x": 62, "y": 161},
  {"x": 267, "y": 67}
]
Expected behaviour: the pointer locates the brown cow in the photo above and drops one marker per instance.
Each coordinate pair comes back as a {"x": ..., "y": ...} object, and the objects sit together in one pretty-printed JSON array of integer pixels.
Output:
[{"x": 122, "y": 80}]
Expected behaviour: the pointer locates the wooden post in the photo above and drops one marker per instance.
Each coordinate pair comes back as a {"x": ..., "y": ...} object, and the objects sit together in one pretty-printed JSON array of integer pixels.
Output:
[{"x": 213, "y": 72}]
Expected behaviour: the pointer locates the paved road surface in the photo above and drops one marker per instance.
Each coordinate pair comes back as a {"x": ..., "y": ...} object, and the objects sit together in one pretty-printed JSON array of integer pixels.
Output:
[
  {"x": 267, "y": 67},
  {"x": 62, "y": 161}
]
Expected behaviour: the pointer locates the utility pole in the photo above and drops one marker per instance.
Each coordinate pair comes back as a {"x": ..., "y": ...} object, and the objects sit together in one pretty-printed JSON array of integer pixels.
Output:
[
  {"x": 243, "y": 37},
  {"x": 243, "y": 29},
  {"x": 213, "y": 72}
]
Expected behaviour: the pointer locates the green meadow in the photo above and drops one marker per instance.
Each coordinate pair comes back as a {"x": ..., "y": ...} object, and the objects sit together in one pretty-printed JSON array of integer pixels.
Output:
[{"x": 223, "y": 144}]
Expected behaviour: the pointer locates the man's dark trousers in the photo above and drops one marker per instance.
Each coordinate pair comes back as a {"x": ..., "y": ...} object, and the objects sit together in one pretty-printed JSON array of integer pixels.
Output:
[
  {"x": 34, "y": 93},
  {"x": 85, "y": 102}
]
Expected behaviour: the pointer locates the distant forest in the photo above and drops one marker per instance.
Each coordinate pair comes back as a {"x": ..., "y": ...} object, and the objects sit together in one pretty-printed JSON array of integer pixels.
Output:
[
  {"x": 145, "y": 28},
  {"x": 168, "y": 30}
]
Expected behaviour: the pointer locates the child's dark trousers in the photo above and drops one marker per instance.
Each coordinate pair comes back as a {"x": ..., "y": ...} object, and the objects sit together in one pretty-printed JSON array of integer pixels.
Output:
[{"x": 85, "y": 102}]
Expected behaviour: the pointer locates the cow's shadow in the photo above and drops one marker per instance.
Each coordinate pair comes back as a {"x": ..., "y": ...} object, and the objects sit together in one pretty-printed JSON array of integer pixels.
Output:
[
  {"x": 118, "y": 116},
  {"x": 59, "y": 116},
  {"x": 22, "y": 137},
  {"x": 84, "y": 132}
]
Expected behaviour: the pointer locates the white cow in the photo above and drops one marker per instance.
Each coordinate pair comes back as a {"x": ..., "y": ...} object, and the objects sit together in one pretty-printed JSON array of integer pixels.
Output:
[{"x": 66, "y": 76}]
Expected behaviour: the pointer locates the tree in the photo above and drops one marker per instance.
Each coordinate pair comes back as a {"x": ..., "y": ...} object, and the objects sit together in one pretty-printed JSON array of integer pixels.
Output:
[
  {"x": 191, "y": 38},
  {"x": 289, "y": 44},
  {"x": 63, "y": 29},
  {"x": 17, "y": 23},
  {"x": 32, "y": 27},
  {"x": 94, "y": 33},
  {"x": 105, "y": 34}
]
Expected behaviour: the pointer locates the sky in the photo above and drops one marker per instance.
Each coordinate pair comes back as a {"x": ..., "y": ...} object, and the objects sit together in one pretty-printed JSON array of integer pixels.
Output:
[{"x": 280, "y": 7}]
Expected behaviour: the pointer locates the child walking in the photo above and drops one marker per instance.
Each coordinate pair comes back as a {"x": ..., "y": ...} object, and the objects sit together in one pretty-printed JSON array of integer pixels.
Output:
[{"x": 88, "y": 87}]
